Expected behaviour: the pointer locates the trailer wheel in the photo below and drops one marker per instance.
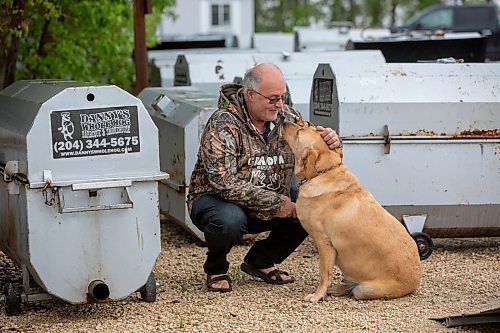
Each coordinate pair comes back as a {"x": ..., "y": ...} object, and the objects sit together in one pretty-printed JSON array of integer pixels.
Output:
[
  {"x": 12, "y": 300},
  {"x": 424, "y": 244},
  {"x": 148, "y": 291}
]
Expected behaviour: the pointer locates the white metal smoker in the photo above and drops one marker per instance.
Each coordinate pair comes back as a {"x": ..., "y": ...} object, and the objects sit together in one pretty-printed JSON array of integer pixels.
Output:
[
  {"x": 423, "y": 138},
  {"x": 79, "y": 198},
  {"x": 180, "y": 113}
]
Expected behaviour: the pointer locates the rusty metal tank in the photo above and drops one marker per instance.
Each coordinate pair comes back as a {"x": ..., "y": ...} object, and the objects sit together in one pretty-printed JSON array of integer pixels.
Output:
[{"x": 423, "y": 138}]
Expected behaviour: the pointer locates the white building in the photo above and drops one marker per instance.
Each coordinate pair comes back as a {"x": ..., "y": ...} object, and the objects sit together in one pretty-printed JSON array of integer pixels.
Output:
[{"x": 198, "y": 18}]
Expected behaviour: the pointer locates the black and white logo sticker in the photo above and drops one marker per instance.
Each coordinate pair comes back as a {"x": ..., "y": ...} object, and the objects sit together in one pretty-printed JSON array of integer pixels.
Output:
[{"x": 90, "y": 132}]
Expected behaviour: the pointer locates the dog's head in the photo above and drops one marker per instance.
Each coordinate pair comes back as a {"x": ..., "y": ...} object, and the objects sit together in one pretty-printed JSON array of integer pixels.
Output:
[{"x": 312, "y": 155}]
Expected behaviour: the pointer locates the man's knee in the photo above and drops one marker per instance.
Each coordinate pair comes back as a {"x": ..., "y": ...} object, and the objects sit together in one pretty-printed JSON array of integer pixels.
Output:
[
  {"x": 216, "y": 216},
  {"x": 231, "y": 220}
]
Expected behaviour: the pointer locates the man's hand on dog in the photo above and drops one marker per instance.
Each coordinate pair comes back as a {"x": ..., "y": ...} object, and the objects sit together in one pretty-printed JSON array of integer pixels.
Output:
[
  {"x": 287, "y": 209},
  {"x": 330, "y": 136}
]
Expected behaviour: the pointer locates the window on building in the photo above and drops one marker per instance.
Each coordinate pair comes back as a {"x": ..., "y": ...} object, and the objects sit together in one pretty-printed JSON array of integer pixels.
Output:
[{"x": 220, "y": 15}]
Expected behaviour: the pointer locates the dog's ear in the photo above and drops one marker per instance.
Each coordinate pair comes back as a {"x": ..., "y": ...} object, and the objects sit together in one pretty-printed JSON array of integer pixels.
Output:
[
  {"x": 310, "y": 163},
  {"x": 300, "y": 121}
]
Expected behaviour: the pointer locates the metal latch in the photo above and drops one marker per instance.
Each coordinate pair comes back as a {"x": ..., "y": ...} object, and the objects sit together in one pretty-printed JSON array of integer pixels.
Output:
[
  {"x": 50, "y": 200},
  {"x": 387, "y": 139},
  {"x": 10, "y": 170},
  {"x": 160, "y": 103}
]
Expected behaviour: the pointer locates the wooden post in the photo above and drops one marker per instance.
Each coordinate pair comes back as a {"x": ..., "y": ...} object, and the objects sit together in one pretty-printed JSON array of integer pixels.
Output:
[{"x": 140, "y": 50}]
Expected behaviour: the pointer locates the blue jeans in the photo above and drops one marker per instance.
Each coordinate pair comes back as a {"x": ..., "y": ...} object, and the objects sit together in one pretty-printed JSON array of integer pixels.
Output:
[{"x": 224, "y": 224}]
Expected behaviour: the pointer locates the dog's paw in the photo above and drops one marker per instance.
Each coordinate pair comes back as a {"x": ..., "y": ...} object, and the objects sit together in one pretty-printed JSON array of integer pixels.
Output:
[
  {"x": 338, "y": 290},
  {"x": 314, "y": 298}
]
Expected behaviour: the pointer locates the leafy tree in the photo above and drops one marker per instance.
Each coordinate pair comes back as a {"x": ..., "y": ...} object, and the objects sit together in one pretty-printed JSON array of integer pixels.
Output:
[
  {"x": 284, "y": 15},
  {"x": 393, "y": 5},
  {"x": 87, "y": 40},
  {"x": 353, "y": 11},
  {"x": 374, "y": 12},
  {"x": 339, "y": 10},
  {"x": 344, "y": 10},
  {"x": 414, "y": 7}
]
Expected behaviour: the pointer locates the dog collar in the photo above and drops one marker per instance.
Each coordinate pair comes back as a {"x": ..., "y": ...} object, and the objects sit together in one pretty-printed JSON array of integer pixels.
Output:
[
  {"x": 301, "y": 182},
  {"x": 305, "y": 180}
]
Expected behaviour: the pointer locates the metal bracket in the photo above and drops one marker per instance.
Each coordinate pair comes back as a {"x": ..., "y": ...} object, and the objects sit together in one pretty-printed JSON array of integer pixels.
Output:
[
  {"x": 414, "y": 223},
  {"x": 173, "y": 184},
  {"x": 101, "y": 185},
  {"x": 47, "y": 177},
  {"x": 387, "y": 140},
  {"x": 28, "y": 294},
  {"x": 160, "y": 103},
  {"x": 11, "y": 168}
]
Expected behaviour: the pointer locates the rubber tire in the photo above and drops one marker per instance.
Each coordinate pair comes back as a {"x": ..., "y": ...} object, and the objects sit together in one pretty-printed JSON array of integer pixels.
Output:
[
  {"x": 424, "y": 244},
  {"x": 148, "y": 291},
  {"x": 12, "y": 300}
]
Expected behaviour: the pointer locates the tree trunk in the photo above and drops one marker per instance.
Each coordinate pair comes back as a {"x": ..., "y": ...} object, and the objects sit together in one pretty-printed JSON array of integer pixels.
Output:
[
  {"x": 393, "y": 12},
  {"x": 44, "y": 38},
  {"x": 11, "y": 61},
  {"x": 140, "y": 49}
]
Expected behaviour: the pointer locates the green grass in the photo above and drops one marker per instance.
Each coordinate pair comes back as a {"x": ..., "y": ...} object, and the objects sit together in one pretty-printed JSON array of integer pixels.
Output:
[{"x": 236, "y": 273}]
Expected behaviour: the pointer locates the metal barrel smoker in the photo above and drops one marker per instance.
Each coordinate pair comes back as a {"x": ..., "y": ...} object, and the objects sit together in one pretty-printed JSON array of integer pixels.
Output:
[
  {"x": 423, "y": 138},
  {"x": 80, "y": 166},
  {"x": 335, "y": 38},
  {"x": 208, "y": 72},
  {"x": 180, "y": 113}
]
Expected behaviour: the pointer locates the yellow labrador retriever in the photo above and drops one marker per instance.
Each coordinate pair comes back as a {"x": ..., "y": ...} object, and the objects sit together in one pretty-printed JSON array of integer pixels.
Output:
[{"x": 377, "y": 256}]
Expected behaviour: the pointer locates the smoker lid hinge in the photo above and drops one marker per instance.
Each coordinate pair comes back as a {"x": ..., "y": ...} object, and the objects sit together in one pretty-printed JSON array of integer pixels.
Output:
[
  {"x": 387, "y": 139},
  {"x": 10, "y": 171}
]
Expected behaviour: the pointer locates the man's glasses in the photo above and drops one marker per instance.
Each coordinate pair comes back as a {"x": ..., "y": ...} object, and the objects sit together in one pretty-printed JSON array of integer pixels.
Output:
[{"x": 274, "y": 99}]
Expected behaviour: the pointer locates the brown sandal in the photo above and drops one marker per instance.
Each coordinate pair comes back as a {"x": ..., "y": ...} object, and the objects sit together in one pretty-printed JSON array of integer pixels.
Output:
[
  {"x": 273, "y": 277},
  {"x": 210, "y": 282}
]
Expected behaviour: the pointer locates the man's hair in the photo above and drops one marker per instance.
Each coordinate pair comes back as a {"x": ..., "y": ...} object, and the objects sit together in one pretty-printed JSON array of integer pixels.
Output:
[{"x": 252, "y": 79}]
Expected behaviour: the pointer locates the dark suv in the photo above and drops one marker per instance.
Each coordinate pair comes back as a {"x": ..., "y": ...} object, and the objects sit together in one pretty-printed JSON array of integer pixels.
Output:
[{"x": 481, "y": 18}]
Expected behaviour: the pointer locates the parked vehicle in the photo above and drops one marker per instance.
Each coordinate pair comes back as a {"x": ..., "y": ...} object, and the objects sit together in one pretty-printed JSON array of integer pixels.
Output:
[{"x": 481, "y": 18}]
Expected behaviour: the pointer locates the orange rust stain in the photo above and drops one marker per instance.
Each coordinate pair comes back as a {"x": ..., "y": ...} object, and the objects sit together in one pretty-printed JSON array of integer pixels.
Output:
[
  {"x": 470, "y": 134},
  {"x": 477, "y": 133}
]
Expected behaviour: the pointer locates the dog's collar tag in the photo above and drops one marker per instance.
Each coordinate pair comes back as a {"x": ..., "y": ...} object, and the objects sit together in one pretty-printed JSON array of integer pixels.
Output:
[{"x": 301, "y": 182}]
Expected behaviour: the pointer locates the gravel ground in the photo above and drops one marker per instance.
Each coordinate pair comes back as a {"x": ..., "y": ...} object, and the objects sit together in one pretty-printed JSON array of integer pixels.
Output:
[{"x": 462, "y": 275}]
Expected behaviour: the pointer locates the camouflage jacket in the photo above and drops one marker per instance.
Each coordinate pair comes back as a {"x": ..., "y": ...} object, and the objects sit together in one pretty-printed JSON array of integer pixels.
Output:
[{"x": 236, "y": 163}]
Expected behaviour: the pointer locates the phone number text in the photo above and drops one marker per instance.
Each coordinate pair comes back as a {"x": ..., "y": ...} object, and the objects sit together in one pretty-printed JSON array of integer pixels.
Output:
[{"x": 81, "y": 145}]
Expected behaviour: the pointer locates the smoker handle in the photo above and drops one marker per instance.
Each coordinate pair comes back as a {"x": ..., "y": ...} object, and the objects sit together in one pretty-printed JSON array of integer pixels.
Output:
[
  {"x": 101, "y": 185},
  {"x": 63, "y": 208},
  {"x": 173, "y": 184}
]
